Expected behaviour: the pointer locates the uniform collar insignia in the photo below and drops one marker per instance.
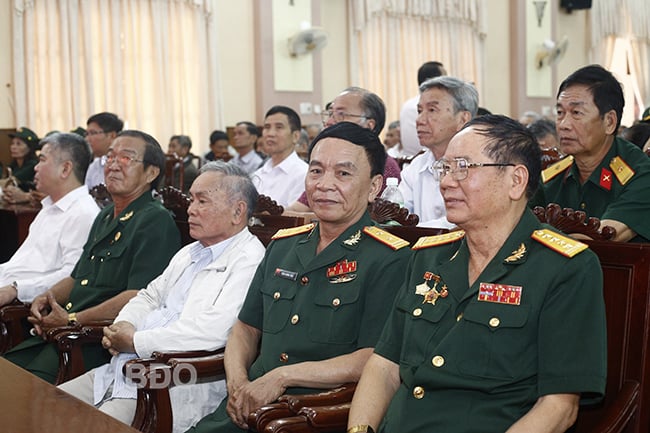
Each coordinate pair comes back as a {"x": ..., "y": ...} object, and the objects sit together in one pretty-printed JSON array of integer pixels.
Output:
[
  {"x": 354, "y": 239},
  {"x": 516, "y": 255},
  {"x": 127, "y": 216}
]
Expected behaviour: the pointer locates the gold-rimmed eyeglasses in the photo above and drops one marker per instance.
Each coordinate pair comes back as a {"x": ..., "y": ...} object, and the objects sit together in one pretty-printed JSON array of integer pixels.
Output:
[{"x": 459, "y": 167}]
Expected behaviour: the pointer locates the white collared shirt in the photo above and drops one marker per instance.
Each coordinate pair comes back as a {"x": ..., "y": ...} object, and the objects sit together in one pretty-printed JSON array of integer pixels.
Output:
[
  {"x": 95, "y": 173},
  {"x": 53, "y": 246},
  {"x": 421, "y": 192},
  {"x": 249, "y": 162},
  {"x": 284, "y": 182}
]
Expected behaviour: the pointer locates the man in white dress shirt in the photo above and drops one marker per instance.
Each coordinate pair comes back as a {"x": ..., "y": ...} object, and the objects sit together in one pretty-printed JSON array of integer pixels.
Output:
[
  {"x": 445, "y": 105},
  {"x": 408, "y": 114},
  {"x": 101, "y": 130},
  {"x": 245, "y": 137},
  {"x": 282, "y": 177},
  {"x": 192, "y": 305},
  {"x": 60, "y": 229}
]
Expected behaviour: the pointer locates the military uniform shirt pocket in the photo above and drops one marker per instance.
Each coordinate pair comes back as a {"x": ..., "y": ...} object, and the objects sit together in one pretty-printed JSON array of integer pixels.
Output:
[
  {"x": 495, "y": 342},
  {"x": 278, "y": 303},
  {"x": 337, "y": 314}
]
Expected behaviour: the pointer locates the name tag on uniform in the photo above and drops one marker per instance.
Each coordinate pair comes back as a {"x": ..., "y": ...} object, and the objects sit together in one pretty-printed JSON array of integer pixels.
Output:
[
  {"x": 499, "y": 293},
  {"x": 287, "y": 275}
]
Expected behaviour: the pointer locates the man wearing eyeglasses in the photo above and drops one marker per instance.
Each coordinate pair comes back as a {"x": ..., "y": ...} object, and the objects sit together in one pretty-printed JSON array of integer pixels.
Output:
[
  {"x": 366, "y": 109},
  {"x": 472, "y": 343},
  {"x": 130, "y": 243},
  {"x": 102, "y": 128},
  {"x": 445, "y": 105}
]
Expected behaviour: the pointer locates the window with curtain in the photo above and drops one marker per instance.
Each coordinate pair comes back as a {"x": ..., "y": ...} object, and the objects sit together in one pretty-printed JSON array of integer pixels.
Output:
[
  {"x": 391, "y": 39},
  {"x": 152, "y": 62},
  {"x": 620, "y": 42}
]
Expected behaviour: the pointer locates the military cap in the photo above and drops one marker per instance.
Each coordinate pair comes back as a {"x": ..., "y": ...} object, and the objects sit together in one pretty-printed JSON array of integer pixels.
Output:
[
  {"x": 27, "y": 135},
  {"x": 645, "y": 117}
]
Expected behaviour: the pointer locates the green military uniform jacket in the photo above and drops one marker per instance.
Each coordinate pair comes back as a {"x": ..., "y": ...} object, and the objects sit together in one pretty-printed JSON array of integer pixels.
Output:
[
  {"x": 24, "y": 174},
  {"x": 618, "y": 188},
  {"x": 121, "y": 253},
  {"x": 314, "y": 307},
  {"x": 476, "y": 358}
]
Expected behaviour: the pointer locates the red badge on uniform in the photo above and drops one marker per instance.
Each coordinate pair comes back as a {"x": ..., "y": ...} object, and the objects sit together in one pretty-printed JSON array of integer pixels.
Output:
[
  {"x": 342, "y": 267},
  {"x": 606, "y": 179},
  {"x": 499, "y": 293}
]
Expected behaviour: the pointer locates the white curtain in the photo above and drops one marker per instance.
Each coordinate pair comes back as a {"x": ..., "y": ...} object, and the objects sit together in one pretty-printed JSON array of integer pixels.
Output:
[
  {"x": 392, "y": 38},
  {"x": 623, "y": 19},
  {"x": 152, "y": 62}
]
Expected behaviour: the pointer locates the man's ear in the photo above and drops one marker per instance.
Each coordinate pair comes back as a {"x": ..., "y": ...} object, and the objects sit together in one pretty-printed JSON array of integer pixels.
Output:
[
  {"x": 152, "y": 173},
  {"x": 66, "y": 169},
  {"x": 611, "y": 119},
  {"x": 376, "y": 183},
  {"x": 239, "y": 212},
  {"x": 519, "y": 182},
  {"x": 370, "y": 124}
]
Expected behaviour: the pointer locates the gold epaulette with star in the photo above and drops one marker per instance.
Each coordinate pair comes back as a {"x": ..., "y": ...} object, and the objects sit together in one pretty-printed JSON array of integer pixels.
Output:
[
  {"x": 564, "y": 245},
  {"x": 434, "y": 241},
  {"x": 622, "y": 171},
  {"x": 554, "y": 169},
  {"x": 385, "y": 238},
  {"x": 292, "y": 231}
]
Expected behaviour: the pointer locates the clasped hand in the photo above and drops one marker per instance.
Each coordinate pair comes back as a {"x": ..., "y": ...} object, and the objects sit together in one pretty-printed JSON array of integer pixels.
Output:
[
  {"x": 119, "y": 338},
  {"x": 46, "y": 313},
  {"x": 248, "y": 396}
]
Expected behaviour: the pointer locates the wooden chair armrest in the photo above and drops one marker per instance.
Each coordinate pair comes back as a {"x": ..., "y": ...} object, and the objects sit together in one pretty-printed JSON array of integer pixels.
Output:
[
  {"x": 154, "y": 376},
  {"x": 68, "y": 341},
  {"x": 290, "y": 424},
  {"x": 334, "y": 396},
  {"x": 327, "y": 418},
  {"x": 11, "y": 329},
  {"x": 613, "y": 415},
  {"x": 262, "y": 416}
]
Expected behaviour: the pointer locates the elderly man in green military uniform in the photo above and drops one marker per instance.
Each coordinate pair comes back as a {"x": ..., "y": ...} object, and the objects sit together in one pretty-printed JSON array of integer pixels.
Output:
[
  {"x": 130, "y": 243},
  {"x": 319, "y": 298},
  {"x": 604, "y": 175},
  {"x": 482, "y": 336}
]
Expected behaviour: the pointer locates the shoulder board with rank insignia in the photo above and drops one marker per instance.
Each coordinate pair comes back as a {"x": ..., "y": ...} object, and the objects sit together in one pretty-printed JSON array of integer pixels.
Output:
[
  {"x": 434, "y": 241},
  {"x": 385, "y": 238},
  {"x": 292, "y": 231},
  {"x": 622, "y": 171},
  {"x": 553, "y": 170},
  {"x": 564, "y": 245}
]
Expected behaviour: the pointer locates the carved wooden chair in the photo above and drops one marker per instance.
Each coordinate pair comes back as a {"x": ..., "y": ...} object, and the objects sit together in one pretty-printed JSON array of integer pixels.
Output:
[
  {"x": 101, "y": 195},
  {"x": 550, "y": 156},
  {"x": 404, "y": 160},
  {"x": 177, "y": 202},
  {"x": 173, "y": 165},
  {"x": 12, "y": 331},
  {"x": 267, "y": 219},
  {"x": 573, "y": 221},
  {"x": 384, "y": 211}
]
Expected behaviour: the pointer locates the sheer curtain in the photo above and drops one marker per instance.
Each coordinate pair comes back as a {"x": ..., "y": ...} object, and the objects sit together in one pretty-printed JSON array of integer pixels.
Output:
[
  {"x": 392, "y": 38},
  {"x": 628, "y": 19},
  {"x": 152, "y": 62}
]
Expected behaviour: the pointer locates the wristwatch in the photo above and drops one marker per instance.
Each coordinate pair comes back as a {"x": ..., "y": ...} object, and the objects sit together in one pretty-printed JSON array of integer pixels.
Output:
[
  {"x": 361, "y": 428},
  {"x": 72, "y": 319}
]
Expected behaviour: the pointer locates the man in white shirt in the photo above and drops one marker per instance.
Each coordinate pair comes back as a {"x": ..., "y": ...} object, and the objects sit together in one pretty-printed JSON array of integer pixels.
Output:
[
  {"x": 445, "y": 105},
  {"x": 408, "y": 134},
  {"x": 101, "y": 130},
  {"x": 245, "y": 137},
  {"x": 192, "y": 305},
  {"x": 282, "y": 177},
  {"x": 392, "y": 142},
  {"x": 59, "y": 231}
]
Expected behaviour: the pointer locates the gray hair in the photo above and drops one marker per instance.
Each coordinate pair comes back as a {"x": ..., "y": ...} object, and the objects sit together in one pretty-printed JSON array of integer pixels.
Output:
[
  {"x": 463, "y": 93},
  {"x": 394, "y": 124},
  {"x": 372, "y": 106},
  {"x": 236, "y": 182},
  {"x": 73, "y": 147}
]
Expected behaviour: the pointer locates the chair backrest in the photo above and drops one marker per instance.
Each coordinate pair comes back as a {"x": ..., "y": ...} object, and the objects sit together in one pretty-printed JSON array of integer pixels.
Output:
[
  {"x": 383, "y": 211},
  {"x": 267, "y": 219},
  {"x": 404, "y": 160},
  {"x": 174, "y": 171},
  {"x": 573, "y": 221},
  {"x": 177, "y": 202},
  {"x": 101, "y": 195},
  {"x": 626, "y": 272},
  {"x": 550, "y": 156}
]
